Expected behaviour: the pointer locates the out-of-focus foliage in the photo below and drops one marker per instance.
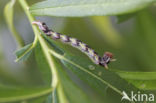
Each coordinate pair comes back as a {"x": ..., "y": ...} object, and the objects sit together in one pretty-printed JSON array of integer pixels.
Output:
[
  {"x": 8, "y": 12},
  {"x": 54, "y": 72}
]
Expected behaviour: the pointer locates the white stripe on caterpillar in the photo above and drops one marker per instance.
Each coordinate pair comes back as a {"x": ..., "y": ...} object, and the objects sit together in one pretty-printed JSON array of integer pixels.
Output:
[{"x": 103, "y": 61}]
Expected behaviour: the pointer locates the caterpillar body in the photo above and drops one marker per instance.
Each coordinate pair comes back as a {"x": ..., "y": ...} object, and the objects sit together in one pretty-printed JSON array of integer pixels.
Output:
[{"x": 103, "y": 61}]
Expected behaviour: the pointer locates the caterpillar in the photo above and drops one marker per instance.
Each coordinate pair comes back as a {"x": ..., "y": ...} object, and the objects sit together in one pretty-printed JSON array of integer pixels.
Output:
[{"x": 102, "y": 61}]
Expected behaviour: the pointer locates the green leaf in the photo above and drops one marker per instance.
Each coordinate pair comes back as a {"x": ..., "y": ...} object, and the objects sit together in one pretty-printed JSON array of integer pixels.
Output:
[
  {"x": 99, "y": 79},
  {"x": 43, "y": 65},
  {"x": 8, "y": 12},
  {"x": 142, "y": 80},
  {"x": 79, "y": 8},
  {"x": 23, "y": 53},
  {"x": 65, "y": 86},
  {"x": 69, "y": 87},
  {"x": 22, "y": 94}
]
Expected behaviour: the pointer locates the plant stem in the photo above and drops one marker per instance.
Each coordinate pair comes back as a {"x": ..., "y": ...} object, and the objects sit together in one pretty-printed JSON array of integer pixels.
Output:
[
  {"x": 44, "y": 46},
  {"x": 50, "y": 59}
]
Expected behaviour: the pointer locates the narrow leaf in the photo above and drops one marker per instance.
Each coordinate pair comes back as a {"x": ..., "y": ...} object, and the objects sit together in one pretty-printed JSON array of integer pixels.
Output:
[
  {"x": 79, "y": 8},
  {"x": 69, "y": 87},
  {"x": 97, "y": 77},
  {"x": 23, "y": 53},
  {"x": 43, "y": 65},
  {"x": 142, "y": 80},
  {"x": 65, "y": 86},
  {"x": 22, "y": 94}
]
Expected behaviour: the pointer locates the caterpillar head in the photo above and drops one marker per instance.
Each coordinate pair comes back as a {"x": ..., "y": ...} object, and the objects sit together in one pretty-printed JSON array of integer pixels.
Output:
[{"x": 106, "y": 59}]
